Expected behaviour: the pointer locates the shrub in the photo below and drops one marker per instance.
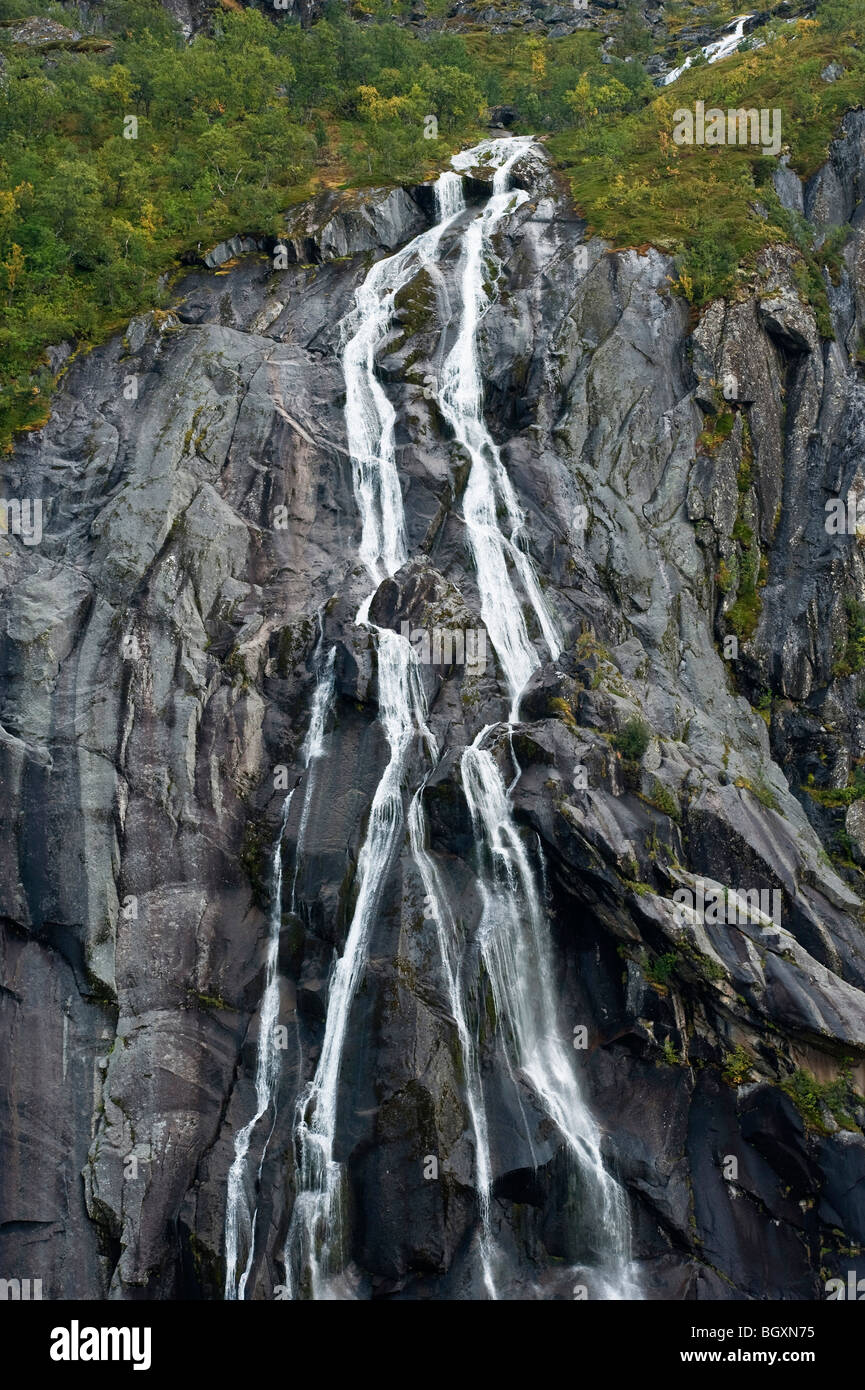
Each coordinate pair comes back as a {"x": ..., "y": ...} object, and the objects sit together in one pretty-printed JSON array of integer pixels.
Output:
[
  {"x": 737, "y": 1066},
  {"x": 852, "y": 659},
  {"x": 662, "y": 968},
  {"x": 810, "y": 1096},
  {"x": 633, "y": 739}
]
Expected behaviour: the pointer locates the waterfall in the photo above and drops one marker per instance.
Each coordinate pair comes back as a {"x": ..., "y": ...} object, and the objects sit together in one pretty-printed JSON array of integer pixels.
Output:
[
  {"x": 313, "y": 1247},
  {"x": 714, "y": 52},
  {"x": 239, "y": 1220},
  {"x": 451, "y": 949},
  {"x": 515, "y": 946},
  {"x": 489, "y": 488},
  {"x": 513, "y": 934},
  {"x": 314, "y": 1240},
  {"x": 369, "y": 415},
  {"x": 312, "y": 750},
  {"x": 240, "y": 1223}
]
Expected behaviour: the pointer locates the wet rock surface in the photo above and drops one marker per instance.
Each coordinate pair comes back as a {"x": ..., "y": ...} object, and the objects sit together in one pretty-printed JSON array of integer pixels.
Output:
[{"x": 158, "y": 660}]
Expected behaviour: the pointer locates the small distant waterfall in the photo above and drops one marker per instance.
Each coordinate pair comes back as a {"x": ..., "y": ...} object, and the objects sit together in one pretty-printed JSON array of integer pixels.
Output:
[
  {"x": 314, "y": 1241},
  {"x": 312, "y": 750},
  {"x": 451, "y": 947},
  {"x": 714, "y": 52},
  {"x": 241, "y": 1212}
]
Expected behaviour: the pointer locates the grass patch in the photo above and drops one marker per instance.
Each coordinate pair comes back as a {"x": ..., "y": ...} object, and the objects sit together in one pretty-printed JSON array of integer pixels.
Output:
[
  {"x": 636, "y": 187},
  {"x": 749, "y": 569},
  {"x": 810, "y": 1096},
  {"x": 761, "y": 790},
  {"x": 852, "y": 659},
  {"x": 560, "y": 709},
  {"x": 663, "y": 800},
  {"x": 832, "y": 797},
  {"x": 660, "y": 970},
  {"x": 716, "y": 431}
]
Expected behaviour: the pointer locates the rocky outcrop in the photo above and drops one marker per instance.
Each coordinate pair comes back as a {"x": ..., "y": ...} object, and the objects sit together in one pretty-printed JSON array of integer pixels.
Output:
[
  {"x": 37, "y": 32},
  {"x": 158, "y": 650}
]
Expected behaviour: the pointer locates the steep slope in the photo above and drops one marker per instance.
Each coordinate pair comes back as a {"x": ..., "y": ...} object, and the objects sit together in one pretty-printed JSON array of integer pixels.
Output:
[{"x": 161, "y": 651}]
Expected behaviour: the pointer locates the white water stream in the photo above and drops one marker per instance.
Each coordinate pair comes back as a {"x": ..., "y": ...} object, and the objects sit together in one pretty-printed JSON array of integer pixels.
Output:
[
  {"x": 513, "y": 932},
  {"x": 715, "y": 51},
  {"x": 241, "y": 1210}
]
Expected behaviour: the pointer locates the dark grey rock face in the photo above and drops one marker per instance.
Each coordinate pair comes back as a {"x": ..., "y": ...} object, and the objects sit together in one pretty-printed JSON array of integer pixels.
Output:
[{"x": 158, "y": 650}]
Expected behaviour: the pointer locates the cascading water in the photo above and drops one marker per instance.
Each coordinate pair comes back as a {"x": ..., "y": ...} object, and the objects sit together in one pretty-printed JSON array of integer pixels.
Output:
[
  {"x": 714, "y": 52},
  {"x": 369, "y": 415},
  {"x": 513, "y": 940},
  {"x": 513, "y": 932},
  {"x": 314, "y": 1241},
  {"x": 312, "y": 751},
  {"x": 516, "y": 951},
  {"x": 240, "y": 1213},
  {"x": 313, "y": 1247},
  {"x": 451, "y": 947},
  {"x": 489, "y": 487}
]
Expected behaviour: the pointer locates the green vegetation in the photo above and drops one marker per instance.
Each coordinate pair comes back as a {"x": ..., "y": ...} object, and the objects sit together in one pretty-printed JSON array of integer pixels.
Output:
[
  {"x": 743, "y": 617},
  {"x": 852, "y": 659},
  {"x": 710, "y": 969},
  {"x": 254, "y": 858},
  {"x": 258, "y": 113},
  {"x": 714, "y": 433},
  {"x": 750, "y": 568},
  {"x": 811, "y": 1097},
  {"x": 809, "y": 272},
  {"x": 660, "y": 969},
  {"x": 632, "y": 739},
  {"x": 737, "y": 1066},
  {"x": 684, "y": 962},
  {"x": 561, "y": 709},
  {"x": 232, "y": 129},
  {"x": 700, "y": 203},
  {"x": 839, "y": 796},
  {"x": 210, "y": 1001},
  {"x": 663, "y": 800},
  {"x": 641, "y": 889},
  {"x": 763, "y": 707},
  {"x": 761, "y": 790},
  {"x": 679, "y": 13},
  {"x": 843, "y": 854}
]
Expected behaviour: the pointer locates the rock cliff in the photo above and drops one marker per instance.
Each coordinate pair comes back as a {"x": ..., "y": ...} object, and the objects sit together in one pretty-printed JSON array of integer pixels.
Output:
[{"x": 160, "y": 652}]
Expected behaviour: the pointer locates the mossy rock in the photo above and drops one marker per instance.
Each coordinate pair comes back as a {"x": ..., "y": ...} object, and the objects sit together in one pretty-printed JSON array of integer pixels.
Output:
[{"x": 414, "y": 309}]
